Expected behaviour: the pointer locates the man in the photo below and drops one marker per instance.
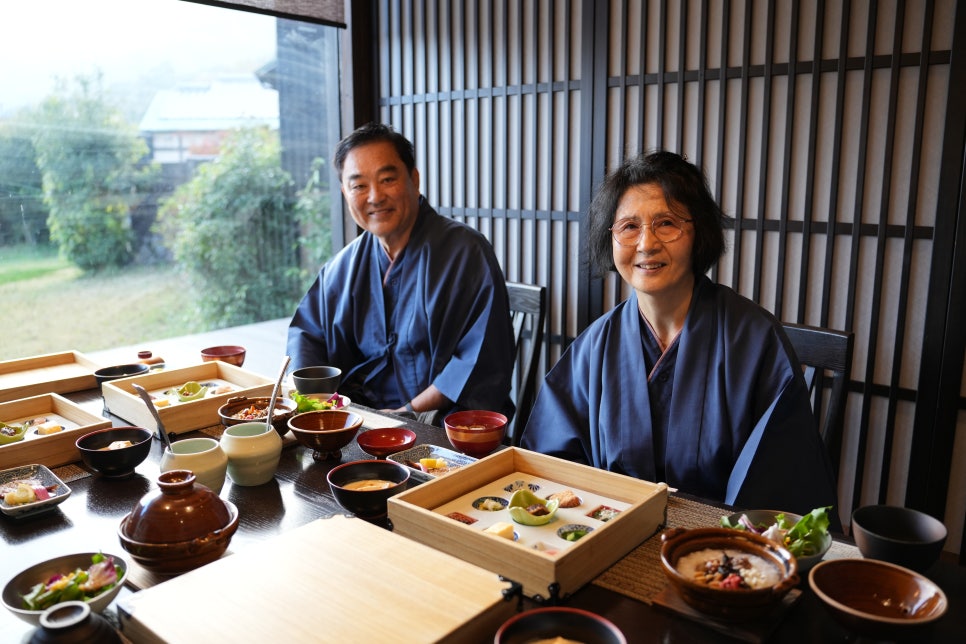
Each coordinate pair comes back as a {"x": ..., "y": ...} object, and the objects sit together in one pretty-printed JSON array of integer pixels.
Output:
[{"x": 415, "y": 310}]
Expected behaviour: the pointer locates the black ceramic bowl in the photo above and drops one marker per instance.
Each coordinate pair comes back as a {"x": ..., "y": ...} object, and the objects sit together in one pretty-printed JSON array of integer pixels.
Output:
[
  {"x": 120, "y": 371},
  {"x": 95, "y": 449},
  {"x": 899, "y": 535},
  {"x": 546, "y": 624},
  {"x": 367, "y": 503}
]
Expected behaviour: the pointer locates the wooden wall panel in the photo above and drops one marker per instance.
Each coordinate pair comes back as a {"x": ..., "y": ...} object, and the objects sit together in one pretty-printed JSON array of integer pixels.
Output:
[{"x": 819, "y": 125}]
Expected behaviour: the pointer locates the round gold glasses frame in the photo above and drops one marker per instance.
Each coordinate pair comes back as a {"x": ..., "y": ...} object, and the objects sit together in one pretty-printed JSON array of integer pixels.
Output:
[{"x": 664, "y": 229}]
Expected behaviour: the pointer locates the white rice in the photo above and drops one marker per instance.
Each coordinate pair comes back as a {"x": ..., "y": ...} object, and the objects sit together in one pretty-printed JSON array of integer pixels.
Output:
[{"x": 757, "y": 573}]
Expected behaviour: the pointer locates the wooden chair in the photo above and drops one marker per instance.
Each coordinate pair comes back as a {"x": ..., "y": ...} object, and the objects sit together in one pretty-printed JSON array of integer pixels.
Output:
[
  {"x": 825, "y": 353},
  {"x": 528, "y": 309}
]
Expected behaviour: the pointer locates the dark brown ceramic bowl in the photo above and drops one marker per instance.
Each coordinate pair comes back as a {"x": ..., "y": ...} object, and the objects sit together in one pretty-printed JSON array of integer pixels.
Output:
[
  {"x": 899, "y": 535},
  {"x": 729, "y": 604},
  {"x": 325, "y": 432},
  {"x": 115, "y": 463},
  {"x": 547, "y": 624},
  {"x": 179, "y": 527},
  {"x": 877, "y": 599},
  {"x": 232, "y": 354},
  {"x": 120, "y": 371},
  {"x": 383, "y": 442},
  {"x": 475, "y": 433},
  {"x": 284, "y": 409},
  {"x": 371, "y": 503}
]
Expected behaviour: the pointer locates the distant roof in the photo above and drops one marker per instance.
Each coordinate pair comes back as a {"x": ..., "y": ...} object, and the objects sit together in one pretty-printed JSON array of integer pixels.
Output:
[{"x": 225, "y": 103}]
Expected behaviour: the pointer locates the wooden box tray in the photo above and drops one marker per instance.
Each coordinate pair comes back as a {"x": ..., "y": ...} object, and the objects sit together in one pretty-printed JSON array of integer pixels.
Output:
[
  {"x": 122, "y": 399},
  {"x": 59, "y": 373},
  {"x": 541, "y": 560},
  {"x": 333, "y": 580},
  {"x": 52, "y": 450}
]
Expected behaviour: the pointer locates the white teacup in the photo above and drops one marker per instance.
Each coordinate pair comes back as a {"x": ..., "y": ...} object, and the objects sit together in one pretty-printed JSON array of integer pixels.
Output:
[
  {"x": 253, "y": 451},
  {"x": 203, "y": 456}
]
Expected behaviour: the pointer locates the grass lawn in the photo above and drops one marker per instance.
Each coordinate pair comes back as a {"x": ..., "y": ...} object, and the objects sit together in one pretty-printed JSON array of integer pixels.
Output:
[{"x": 51, "y": 306}]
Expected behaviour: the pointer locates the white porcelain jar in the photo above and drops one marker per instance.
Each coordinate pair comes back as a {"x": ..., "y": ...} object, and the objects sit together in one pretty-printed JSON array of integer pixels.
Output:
[
  {"x": 253, "y": 451},
  {"x": 203, "y": 456}
]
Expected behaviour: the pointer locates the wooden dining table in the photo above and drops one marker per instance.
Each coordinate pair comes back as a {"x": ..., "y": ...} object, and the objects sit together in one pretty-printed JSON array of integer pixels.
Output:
[{"x": 630, "y": 593}]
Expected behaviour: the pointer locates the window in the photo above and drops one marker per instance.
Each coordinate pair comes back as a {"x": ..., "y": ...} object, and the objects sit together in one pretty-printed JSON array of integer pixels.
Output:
[{"x": 166, "y": 148}]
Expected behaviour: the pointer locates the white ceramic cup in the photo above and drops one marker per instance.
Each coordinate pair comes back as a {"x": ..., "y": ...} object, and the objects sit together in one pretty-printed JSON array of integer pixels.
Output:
[
  {"x": 253, "y": 451},
  {"x": 203, "y": 456}
]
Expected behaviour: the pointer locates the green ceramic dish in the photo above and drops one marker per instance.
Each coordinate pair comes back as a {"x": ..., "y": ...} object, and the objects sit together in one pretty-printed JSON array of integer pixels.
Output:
[
  {"x": 522, "y": 499},
  {"x": 18, "y": 433}
]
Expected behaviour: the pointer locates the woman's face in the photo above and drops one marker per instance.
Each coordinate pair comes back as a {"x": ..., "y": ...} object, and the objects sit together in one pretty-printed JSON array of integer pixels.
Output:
[{"x": 650, "y": 266}]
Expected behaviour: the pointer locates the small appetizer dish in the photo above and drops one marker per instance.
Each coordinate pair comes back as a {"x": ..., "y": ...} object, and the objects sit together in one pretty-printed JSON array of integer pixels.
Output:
[
  {"x": 430, "y": 461},
  {"x": 91, "y": 577},
  {"x": 526, "y": 508},
  {"x": 29, "y": 490}
]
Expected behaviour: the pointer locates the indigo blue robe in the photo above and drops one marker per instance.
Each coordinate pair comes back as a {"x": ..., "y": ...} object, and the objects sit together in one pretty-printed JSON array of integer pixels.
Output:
[
  {"x": 442, "y": 317},
  {"x": 738, "y": 428}
]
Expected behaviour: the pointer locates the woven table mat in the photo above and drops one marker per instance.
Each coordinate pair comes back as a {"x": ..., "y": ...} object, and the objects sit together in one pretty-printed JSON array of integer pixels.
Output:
[
  {"x": 70, "y": 472},
  {"x": 639, "y": 575}
]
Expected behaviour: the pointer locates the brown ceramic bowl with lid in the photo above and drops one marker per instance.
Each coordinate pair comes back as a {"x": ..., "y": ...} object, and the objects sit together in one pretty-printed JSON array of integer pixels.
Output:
[
  {"x": 178, "y": 527},
  {"x": 774, "y": 571}
]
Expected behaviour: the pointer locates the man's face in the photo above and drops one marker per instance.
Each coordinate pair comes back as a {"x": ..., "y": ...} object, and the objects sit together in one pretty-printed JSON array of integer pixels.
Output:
[{"x": 383, "y": 196}]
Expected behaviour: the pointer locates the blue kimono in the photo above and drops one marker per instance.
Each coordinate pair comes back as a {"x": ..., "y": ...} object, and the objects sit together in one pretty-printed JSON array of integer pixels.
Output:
[
  {"x": 440, "y": 316},
  {"x": 732, "y": 420}
]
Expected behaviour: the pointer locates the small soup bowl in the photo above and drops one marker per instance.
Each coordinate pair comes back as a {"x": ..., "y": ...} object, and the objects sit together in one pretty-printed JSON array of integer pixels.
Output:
[
  {"x": 899, "y": 535},
  {"x": 368, "y": 501},
  {"x": 115, "y": 452},
  {"x": 476, "y": 433},
  {"x": 230, "y": 353}
]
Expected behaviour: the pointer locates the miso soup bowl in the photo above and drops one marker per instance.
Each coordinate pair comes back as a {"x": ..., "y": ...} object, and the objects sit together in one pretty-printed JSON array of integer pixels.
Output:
[{"x": 367, "y": 503}]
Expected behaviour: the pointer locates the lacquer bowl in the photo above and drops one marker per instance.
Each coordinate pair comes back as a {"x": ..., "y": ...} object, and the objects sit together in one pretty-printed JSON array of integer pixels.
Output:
[
  {"x": 367, "y": 503},
  {"x": 230, "y": 353},
  {"x": 383, "y": 442},
  {"x": 729, "y": 604},
  {"x": 550, "y": 623},
  {"x": 476, "y": 433},
  {"x": 326, "y": 431},
  {"x": 95, "y": 450}
]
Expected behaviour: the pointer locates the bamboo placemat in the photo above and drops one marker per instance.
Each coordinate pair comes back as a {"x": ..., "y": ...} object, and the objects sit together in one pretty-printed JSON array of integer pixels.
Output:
[
  {"x": 639, "y": 575},
  {"x": 70, "y": 472}
]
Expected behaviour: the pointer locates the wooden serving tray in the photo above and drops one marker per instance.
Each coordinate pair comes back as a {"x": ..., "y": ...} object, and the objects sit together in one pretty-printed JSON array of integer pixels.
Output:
[
  {"x": 60, "y": 373},
  {"x": 122, "y": 399},
  {"x": 52, "y": 450},
  {"x": 333, "y": 580},
  {"x": 420, "y": 514}
]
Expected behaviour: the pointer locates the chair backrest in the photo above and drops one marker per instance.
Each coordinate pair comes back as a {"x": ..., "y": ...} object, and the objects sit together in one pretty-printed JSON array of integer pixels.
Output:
[
  {"x": 825, "y": 354},
  {"x": 528, "y": 309}
]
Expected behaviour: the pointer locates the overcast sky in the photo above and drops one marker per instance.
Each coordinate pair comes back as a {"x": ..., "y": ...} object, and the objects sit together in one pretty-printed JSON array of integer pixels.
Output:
[{"x": 125, "y": 39}]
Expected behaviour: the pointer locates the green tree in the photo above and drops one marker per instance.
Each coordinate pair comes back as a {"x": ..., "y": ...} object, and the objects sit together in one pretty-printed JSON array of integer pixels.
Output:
[
  {"x": 312, "y": 211},
  {"x": 22, "y": 212},
  {"x": 90, "y": 161},
  {"x": 231, "y": 231}
]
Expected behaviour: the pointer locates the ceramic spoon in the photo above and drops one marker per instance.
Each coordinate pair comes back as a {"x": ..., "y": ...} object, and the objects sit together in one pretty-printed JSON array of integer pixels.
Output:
[
  {"x": 154, "y": 412},
  {"x": 278, "y": 385}
]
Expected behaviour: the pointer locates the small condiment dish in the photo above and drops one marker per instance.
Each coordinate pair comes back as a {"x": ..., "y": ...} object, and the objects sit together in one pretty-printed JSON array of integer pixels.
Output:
[{"x": 383, "y": 442}]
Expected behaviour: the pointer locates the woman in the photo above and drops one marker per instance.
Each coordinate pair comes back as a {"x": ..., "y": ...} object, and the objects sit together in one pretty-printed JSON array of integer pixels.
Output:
[{"x": 686, "y": 381}]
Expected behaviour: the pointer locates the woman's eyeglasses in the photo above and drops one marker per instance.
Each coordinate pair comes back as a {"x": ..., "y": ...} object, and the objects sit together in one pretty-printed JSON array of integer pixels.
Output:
[{"x": 628, "y": 232}]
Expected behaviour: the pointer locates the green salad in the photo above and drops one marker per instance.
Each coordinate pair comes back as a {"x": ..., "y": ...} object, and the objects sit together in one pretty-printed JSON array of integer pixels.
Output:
[
  {"x": 803, "y": 538},
  {"x": 83, "y": 585}
]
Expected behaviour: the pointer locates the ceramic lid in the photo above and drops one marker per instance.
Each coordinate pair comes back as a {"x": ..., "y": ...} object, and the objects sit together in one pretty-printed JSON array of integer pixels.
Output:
[{"x": 178, "y": 511}]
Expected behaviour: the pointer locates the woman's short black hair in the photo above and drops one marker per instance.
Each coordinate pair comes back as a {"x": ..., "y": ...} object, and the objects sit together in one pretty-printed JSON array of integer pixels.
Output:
[
  {"x": 371, "y": 133},
  {"x": 685, "y": 189}
]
